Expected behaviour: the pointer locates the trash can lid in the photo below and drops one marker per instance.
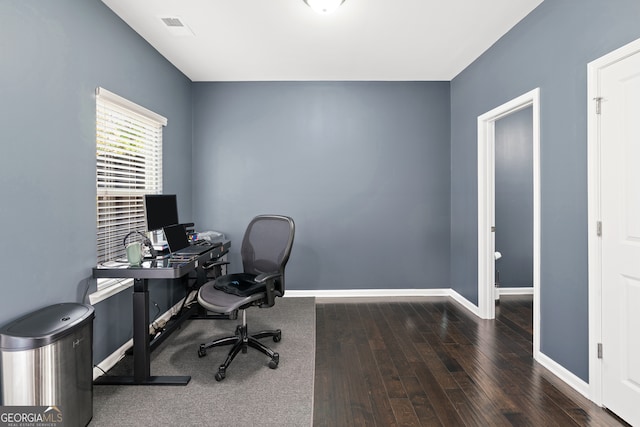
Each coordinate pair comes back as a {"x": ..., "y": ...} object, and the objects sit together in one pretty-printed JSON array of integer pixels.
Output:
[{"x": 44, "y": 326}]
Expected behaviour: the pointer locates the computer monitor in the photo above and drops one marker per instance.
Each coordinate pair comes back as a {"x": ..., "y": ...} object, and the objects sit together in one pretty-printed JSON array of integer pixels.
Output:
[{"x": 161, "y": 210}]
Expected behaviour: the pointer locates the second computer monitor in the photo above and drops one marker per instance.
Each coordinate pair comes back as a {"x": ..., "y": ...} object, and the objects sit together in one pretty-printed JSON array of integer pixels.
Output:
[{"x": 161, "y": 210}]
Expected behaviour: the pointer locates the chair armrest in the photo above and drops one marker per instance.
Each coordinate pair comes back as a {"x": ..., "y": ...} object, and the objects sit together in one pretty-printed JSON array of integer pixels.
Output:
[
  {"x": 210, "y": 265},
  {"x": 270, "y": 289},
  {"x": 261, "y": 278}
]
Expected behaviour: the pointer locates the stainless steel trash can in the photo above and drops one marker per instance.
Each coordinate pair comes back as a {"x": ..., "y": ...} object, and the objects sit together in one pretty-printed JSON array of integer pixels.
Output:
[{"x": 46, "y": 359}]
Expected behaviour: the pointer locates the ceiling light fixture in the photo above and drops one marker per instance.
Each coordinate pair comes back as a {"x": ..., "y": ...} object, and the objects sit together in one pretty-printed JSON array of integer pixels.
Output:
[{"x": 324, "y": 7}]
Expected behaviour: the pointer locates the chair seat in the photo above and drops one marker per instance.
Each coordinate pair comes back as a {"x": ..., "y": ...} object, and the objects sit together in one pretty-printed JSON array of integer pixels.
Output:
[{"x": 218, "y": 301}]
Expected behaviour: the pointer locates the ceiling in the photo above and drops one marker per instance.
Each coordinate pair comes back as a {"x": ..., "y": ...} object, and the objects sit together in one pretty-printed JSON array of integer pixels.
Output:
[{"x": 377, "y": 40}]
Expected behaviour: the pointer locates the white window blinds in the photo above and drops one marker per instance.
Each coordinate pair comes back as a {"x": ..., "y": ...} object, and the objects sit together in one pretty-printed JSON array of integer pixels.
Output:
[{"x": 128, "y": 166}]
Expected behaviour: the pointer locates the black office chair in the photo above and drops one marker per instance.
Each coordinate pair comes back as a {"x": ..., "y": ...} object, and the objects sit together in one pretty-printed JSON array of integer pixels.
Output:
[{"x": 265, "y": 251}]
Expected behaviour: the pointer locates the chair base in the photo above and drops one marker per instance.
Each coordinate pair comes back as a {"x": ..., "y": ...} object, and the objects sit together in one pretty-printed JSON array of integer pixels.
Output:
[{"x": 241, "y": 341}]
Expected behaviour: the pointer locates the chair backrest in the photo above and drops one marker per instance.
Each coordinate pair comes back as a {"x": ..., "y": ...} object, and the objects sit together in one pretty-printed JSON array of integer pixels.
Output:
[{"x": 266, "y": 246}]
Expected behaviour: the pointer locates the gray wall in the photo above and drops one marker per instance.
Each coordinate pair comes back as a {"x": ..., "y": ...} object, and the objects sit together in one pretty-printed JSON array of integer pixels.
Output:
[
  {"x": 366, "y": 169},
  {"x": 362, "y": 167},
  {"x": 549, "y": 49},
  {"x": 54, "y": 55},
  {"x": 514, "y": 198}
]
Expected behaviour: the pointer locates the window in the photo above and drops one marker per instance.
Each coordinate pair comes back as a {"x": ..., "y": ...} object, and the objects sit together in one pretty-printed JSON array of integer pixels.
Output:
[{"x": 128, "y": 166}]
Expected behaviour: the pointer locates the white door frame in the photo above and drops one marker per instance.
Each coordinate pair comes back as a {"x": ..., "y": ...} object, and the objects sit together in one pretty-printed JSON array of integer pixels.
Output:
[
  {"x": 594, "y": 213},
  {"x": 486, "y": 207}
]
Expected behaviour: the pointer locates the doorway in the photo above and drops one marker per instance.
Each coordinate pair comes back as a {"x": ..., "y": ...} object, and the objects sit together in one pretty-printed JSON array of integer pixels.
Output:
[
  {"x": 514, "y": 204},
  {"x": 486, "y": 206}
]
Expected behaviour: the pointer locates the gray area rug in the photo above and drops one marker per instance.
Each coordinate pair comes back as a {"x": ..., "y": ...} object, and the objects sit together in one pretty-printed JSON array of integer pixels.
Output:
[{"x": 251, "y": 394}]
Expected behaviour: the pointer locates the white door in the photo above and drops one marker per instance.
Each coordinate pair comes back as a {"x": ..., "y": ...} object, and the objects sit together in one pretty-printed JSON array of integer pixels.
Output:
[{"x": 620, "y": 213}]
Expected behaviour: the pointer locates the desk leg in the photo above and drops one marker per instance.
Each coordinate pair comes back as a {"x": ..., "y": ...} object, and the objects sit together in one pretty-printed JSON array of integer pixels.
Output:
[
  {"x": 141, "y": 348},
  {"x": 141, "y": 351}
]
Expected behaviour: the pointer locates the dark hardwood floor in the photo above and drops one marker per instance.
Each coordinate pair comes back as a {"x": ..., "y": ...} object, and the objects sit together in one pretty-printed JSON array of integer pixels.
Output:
[{"x": 428, "y": 362}]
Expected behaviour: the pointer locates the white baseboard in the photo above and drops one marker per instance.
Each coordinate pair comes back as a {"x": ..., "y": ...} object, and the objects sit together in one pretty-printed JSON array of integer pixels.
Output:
[
  {"x": 360, "y": 293},
  {"x": 111, "y": 360},
  {"x": 561, "y": 372},
  {"x": 465, "y": 302},
  {"x": 365, "y": 293},
  {"x": 516, "y": 291},
  {"x": 385, "y": 293}
]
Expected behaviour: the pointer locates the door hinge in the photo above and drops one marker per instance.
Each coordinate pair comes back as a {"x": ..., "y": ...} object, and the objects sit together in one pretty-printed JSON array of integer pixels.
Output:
[
  {"x": 493, "y": 228},
  {"x": 599, "y": 228},
  {"x": 599, "y": 350},
  {"x": 598, "y": 104}
]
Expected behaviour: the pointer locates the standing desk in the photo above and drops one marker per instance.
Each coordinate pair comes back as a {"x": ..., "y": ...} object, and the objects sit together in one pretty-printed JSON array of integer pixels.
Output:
[{"x": 160, "y": 268}]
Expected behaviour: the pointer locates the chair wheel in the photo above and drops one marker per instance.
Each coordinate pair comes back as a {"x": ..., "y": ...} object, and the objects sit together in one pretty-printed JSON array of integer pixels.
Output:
[
  {"x": 220, "y": 374},
  {"x": 275, "y": 360},
  {"x": 202, "y": 352},
  {"x": 277, "y": 337}
]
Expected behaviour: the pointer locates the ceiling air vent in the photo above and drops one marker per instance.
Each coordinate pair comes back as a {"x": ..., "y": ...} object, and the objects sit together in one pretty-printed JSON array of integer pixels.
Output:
[
  {"x": 176, "y": 26},
  {"x": 172, "y": 22}
]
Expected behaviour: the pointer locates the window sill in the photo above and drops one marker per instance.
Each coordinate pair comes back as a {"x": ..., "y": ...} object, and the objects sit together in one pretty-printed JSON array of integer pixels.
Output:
[{"x": 110, "y": 291}]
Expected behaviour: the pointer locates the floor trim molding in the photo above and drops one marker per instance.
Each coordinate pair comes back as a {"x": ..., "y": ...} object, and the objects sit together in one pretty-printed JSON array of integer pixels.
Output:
[
  {"x": 565, "y": 375},
  {"x": 516, "y": 291},
  {"x": 110, "y": 361},
  {"x": 365, "y": 293}
]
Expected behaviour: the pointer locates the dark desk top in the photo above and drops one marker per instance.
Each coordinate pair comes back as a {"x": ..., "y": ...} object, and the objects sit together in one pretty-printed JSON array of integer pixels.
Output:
[{"x": 159, "y": 268}]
